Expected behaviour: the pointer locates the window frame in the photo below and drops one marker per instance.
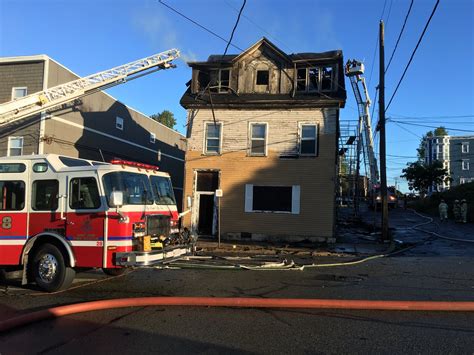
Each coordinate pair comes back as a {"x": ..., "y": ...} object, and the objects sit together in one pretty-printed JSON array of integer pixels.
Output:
[
  {"x": 465, "y": 145},
  {"x": 152, "y": 137},
  {"x": 316, "y": 138},
  {"x": 70, "y": 193},
  {"x": 295, "y": 199},
  {"x": 268, "y": 77},
  {"x": 319, "y": 76},
  {"x": 465, "y": 164},
  {"x": 250, "y": 139},
  {"x": 221, "y": 129},
  {"x": 24, "y": 187},
  {"x": 19, "y": 88},
  {"x": 220, "y": 88},
  {"x": 33, "y": 195},
  {"x": 9, "y": 146},
  {"x": 119, "y": 123}
]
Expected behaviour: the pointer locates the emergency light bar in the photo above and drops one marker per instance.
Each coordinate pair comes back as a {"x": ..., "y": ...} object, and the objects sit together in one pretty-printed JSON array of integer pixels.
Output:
[{"x": 134, "y": 164}]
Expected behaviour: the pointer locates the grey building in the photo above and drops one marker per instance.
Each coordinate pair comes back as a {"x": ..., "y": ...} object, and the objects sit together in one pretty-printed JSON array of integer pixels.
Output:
[
  {"x": 96, "y": 127},
  {"x": 457, "y": 155}
]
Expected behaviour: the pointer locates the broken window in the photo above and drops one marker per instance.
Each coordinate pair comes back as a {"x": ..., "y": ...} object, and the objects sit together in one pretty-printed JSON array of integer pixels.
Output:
[
  {"x": 262, "y": 77},
  {"x": 327, "y": 78},
  {"x": 213, "y": 138},
  {"x": 204, "y": 78},
  {"x": 301, "y": 79},
  {"x": 272, "y": 198},
  {"x": 258, "y": 139},
  {"x": 308, "y": 139},
  {"x": 224, "y": 80},
  {"x": 313, "y": 79}
]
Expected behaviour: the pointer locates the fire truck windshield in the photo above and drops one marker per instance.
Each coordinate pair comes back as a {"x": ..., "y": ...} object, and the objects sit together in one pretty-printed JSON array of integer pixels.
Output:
[
  {"x": 136, "y": 188},
  {"x": 162, "y": 190}
]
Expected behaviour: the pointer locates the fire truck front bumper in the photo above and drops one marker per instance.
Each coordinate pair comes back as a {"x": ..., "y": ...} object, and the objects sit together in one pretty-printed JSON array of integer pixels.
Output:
[{"x": 154, "y": 257}]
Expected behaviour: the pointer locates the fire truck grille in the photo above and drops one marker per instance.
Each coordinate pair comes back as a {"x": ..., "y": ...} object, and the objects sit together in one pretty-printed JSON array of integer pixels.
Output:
[{"x": 157, "y": 225}]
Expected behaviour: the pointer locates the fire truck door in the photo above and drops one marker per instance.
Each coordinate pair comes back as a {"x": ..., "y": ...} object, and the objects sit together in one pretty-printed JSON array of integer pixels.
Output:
[{"x": 85, "y": 220}]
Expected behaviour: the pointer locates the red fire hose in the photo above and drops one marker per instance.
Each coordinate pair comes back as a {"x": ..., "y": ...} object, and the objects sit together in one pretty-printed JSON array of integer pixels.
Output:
[{"x": 60, "y": 311}]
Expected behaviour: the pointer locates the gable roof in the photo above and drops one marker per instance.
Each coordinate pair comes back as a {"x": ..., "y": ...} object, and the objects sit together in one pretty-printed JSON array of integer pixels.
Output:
[{"x": 261, "y": 42}]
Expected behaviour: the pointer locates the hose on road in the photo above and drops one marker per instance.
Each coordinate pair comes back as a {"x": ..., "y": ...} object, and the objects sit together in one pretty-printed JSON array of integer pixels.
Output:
[{"x": 61, "y": 311}]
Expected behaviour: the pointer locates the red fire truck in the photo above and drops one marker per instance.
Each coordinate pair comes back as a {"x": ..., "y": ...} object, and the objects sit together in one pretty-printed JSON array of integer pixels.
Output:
[{"x": 59, "y": 214}]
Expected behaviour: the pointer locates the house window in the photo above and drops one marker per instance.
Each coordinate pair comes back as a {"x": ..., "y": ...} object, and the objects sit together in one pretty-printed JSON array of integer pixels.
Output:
[
  {"x": 15, "y": 146},
  {"x": 465, "y": 164},
  {"x": 119, "y": 123},
  {"x": 315, "y": 79},
  {"x": 224, "y": 80},
  {"x": 465, "y": 147},
  {"x": 258, "y": 138},
  {"x": 283, "y": 199},
  {"x": 308, "y": 139},
  {"x": 152, "y": 137},
  {"x": 262, "y": 77},
  {"x": 18, "y": 92},
  {"x": 213, "y": 138}
]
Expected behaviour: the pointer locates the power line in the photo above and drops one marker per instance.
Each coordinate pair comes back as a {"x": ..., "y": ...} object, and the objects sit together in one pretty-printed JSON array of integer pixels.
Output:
[
  {"x": 422, "y": 125},
  {"x": 399, "y": 36},
  {"x": 199, "y": 25},
  {"x": 433, "y": 117},
  {"x": 235, "y": 26},
  {"x": 413, "y": 53},
  {"x": 407, "y": 130}
]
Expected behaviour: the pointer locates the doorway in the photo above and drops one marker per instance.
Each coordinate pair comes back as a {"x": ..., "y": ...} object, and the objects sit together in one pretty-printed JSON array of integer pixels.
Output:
[{"x": 207, "y": 182}]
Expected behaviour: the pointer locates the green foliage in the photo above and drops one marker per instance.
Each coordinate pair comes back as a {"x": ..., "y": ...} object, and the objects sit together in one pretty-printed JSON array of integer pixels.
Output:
[
  {"x": 421, "y": 176},
  {"x": 166, "y": 117},
  {"x": 440, "y": 131}
]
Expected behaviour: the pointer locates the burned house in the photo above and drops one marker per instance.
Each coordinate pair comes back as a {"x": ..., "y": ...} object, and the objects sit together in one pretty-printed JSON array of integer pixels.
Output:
[{"x": 262, "y": 144}]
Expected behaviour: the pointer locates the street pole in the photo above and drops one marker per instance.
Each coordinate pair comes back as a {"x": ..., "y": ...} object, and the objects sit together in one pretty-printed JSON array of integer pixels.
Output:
[{"x": 383, "y": 162}]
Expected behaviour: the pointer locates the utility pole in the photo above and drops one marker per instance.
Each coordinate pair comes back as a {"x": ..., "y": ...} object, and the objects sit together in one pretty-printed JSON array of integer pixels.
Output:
[{"x": 383, "y": 162}]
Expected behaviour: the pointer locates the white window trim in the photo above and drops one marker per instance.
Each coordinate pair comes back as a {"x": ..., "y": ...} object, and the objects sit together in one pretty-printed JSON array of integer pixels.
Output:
[
  {"x": 295, "y": 200},
  {"x": 152, "y": 137},
  {"x": 465, "y": 164},
  {"x": 250, "y": 154},
  {"x": 465, "y": 145},
  {"x": 9, "y": 144},
  {"x": 300, "y": 137},
  {"x": 204, "y": 143},
  {"x": 120, "y": 125},
  {"x": 19, "y": 87}
]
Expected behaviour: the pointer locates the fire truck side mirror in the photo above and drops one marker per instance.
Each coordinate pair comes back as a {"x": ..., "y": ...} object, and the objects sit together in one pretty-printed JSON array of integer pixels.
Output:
[
  {"x": 190, "y": 202},
  {"x": 116, "y": 199}
]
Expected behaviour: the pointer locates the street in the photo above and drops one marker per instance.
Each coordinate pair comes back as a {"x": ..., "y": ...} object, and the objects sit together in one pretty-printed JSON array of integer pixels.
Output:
[{"x": 438, "y": 270}]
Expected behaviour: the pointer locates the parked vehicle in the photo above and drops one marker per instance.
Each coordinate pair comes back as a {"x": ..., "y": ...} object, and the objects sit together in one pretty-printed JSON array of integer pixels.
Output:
[
  {"x": 375, "y": 198},
  {"x": 58, "y": 214}
]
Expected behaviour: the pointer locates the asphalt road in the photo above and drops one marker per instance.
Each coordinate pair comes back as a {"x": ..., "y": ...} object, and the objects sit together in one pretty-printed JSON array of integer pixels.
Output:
[{"x": 438, "y": 270}]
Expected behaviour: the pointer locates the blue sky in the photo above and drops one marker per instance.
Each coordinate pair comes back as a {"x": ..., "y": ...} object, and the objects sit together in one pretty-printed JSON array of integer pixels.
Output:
[{"x": 88, "y": 36}]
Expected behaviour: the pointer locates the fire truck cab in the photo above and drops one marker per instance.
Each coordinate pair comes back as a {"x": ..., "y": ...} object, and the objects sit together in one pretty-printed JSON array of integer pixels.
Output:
[{"x": 59, "y": 214}]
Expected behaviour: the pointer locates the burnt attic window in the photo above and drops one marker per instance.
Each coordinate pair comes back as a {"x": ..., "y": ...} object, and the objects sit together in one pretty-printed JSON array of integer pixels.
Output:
[
  {"x": 219, "y": 80},
  {"x": 262, "y": 77},
  {"x": 301, "y": 79},
  {"x": 327, "y": 77},
  {"x": 204, "y": 79}
]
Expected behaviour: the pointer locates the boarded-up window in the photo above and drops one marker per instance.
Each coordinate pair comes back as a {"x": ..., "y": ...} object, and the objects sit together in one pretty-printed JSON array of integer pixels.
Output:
[
  {"x": 272, "y": 198},
  {"x": 258, "y": 139}
]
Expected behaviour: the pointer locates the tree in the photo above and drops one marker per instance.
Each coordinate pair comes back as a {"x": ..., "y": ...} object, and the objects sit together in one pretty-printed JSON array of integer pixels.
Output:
[
  {"x": 166, "y": 117},
  {"x": 421, "y": 176},
  {"x": 440, "y": 131}
]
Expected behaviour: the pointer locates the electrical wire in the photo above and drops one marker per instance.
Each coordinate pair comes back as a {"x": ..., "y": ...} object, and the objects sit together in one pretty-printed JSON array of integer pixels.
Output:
[
  {"x": 413, "y": 54},
  {"x": 198, "y": 24},
  {"x": 399, "y": 36},
  {"x": 235, "y": 26},
  {"x": 428, "y": 126}
]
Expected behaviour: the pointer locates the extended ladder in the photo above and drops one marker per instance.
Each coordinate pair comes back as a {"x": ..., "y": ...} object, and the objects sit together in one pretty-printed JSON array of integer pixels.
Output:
[
  {"x": 354, "y": 70},
  {"x": 35, "y": 103}
]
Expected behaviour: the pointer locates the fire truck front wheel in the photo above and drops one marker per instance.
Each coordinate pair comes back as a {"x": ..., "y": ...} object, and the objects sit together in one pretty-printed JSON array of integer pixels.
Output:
[{"x": 50, "y": 270}]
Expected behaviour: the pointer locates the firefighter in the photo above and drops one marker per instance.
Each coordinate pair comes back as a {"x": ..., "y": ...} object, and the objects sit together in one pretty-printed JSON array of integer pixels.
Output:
[
  {"x": 443, "y": 211},
  {"x": 457, "y": 211},
  {"x": 464, "y": 210}
]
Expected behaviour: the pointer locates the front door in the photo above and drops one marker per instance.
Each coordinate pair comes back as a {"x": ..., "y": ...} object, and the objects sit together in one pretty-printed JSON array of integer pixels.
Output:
[{"x": 207, "y": 182}]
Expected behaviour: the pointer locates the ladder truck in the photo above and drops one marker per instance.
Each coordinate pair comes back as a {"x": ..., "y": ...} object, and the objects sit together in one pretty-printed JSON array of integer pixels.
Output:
[
  {"x": 60, "y": 214},
  {"x": 354, "y": 70},
  {"x": 41, "y": 101}
]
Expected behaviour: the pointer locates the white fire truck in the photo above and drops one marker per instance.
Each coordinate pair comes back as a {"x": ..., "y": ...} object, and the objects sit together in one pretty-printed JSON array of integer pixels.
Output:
[{"x": 59, "y": 214}]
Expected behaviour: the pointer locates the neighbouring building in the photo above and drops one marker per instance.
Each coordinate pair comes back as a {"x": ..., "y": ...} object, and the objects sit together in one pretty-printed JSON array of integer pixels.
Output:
[
  {"x": 96, "y": 127},
  {"x": 456, "y": 153},
  {"x": 262, "y": 144}
]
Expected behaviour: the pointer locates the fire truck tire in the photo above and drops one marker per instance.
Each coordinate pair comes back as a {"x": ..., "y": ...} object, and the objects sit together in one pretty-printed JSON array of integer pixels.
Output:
[
  {"x": 49, "y": 269},
  {"x": 114, "y": 271}
]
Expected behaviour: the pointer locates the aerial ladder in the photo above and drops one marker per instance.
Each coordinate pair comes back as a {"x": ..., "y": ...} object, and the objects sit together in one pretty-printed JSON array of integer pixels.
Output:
[
  {"x": 44, "y": 100},
  {"x": 354, "y": 71}
]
